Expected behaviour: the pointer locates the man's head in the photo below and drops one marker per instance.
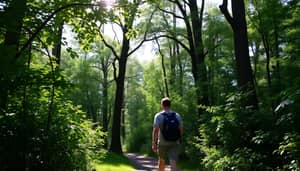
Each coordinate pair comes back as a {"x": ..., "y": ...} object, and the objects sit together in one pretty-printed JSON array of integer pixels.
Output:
[{"x": 165, "y": 103}]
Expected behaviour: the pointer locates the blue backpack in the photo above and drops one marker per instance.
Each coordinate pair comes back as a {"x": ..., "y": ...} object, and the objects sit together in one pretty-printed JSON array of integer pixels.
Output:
[{"x": 170, "y": 128}]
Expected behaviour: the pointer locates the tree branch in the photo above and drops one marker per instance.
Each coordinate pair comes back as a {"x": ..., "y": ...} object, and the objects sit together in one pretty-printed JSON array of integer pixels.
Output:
[
  {"x": 171, "y": 13},
  {"x": 163, "y": 68},
  {"x": 145, "y": 35},
  {"x": 182, "y": 10},
  {"x": 38, "y": 30},
  {"x": 115, "y": 34},
  {"x": 175, "y": 39},
  {"x": 107, "y": 44},
  {"x": 224, "y": 10},
  {"x": 217, "y": 45},
  {"x": 115, "y": 68}
]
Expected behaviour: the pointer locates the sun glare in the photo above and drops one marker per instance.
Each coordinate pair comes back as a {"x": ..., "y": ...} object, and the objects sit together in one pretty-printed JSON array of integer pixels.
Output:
[{"x": 109, "y": 4}]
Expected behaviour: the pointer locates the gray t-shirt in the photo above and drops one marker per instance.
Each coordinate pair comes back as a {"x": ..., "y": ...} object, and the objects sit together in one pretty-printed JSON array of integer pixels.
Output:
[{"x": 158, "y": 123}]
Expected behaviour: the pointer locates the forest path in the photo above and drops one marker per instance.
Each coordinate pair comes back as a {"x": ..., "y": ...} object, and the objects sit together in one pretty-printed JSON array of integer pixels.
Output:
[{"x": 141, "y": 162}]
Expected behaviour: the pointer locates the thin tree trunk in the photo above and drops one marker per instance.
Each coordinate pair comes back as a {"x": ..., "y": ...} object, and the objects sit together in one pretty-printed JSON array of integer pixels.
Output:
[
  {"x": 104, "y": 69},
  {"x": 277, "y": 67},
  {"x": 56, "y": 51},
  {"x": 173, "y": 55},
  {"x": 255, "y": 51},
  {"x": 181, "y": 72},
  {"x": 268, "y": 57},
  {"x": 165, "y": 80}
]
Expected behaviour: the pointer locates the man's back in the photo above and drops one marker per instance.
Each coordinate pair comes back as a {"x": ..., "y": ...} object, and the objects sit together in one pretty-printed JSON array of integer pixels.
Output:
[{"x": 159, "y": 122}]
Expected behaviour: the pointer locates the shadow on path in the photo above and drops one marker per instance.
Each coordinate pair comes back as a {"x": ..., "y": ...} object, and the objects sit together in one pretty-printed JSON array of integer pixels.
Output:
[{"x": 141, "y": 162}]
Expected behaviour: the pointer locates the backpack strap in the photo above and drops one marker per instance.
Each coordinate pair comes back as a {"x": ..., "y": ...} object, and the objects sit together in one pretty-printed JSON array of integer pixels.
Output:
[{"x": 166, "y": 113}]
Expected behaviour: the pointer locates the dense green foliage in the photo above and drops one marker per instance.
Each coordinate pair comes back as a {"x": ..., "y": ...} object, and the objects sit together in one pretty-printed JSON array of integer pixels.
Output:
[
  {"x": 65, "y": 98},
  {"x": 41, "y": 128}
]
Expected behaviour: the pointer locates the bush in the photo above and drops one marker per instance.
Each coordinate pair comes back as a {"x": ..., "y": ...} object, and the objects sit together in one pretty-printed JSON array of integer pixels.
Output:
[
  {"x": 38, "y": 132},
  {"x": 236, "y": 138}
]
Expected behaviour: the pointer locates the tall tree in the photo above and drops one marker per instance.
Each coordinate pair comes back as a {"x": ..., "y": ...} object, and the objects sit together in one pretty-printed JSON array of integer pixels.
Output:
[
  {"x": 15, "y": 11},
  {"x": 244, "y": 71},
  {"x": 125, "y": 16},
  {"x": 192, "y": 15}
]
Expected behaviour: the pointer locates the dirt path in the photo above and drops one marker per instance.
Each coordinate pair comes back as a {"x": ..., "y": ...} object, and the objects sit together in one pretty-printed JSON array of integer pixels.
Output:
[{"x": 141, "y": 162}]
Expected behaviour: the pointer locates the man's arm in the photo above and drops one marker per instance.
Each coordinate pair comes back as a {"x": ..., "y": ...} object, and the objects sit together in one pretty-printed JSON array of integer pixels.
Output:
[
  {"x": 181, "y": 131},
  {"x": 154, "y": 138},
  {"x": 180, "y": 125}
]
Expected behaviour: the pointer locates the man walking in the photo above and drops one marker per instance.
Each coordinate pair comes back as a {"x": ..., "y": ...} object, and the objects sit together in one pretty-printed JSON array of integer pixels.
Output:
[{"x": 167, "y": 130}]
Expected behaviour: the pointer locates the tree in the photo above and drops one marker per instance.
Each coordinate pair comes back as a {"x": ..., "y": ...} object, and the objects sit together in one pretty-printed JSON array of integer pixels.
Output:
[
  {"x": 244, "y": 71},
  {"x": 192, "y": 16},
  {"x": 125, "y": 15},
  {"x": 40, "y": 116},
  {"x": 15, "y": 11}
]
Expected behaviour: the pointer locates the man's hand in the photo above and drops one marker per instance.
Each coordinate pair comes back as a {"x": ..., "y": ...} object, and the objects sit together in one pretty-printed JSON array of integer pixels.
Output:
[
  {"x": 154, "y": 139},
  {"x": 154, "y": 147}
]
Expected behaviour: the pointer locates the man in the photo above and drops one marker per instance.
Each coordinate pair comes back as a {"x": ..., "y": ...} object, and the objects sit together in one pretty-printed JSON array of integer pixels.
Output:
[{"x": 159, "y": 143}]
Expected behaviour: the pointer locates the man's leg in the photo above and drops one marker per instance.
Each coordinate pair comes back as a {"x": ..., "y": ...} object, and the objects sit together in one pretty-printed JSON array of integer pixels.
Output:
[
  {"x": 173, "y": 156},
  {"x": 173, "y": 165},
  {"x": 162, "y": 153},
  {"x": 161, "y": 164}
]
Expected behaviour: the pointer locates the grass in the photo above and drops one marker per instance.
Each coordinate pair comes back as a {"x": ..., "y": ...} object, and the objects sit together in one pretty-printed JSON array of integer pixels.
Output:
[
  {"x": 186, "y": 165},
  {"x": 113, "y": 162}
]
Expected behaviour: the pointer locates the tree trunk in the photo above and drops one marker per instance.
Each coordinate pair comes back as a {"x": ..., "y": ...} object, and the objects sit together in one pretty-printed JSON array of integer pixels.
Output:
[
  {"x": 193, "y": 26},
  {"x": 255, "y": 50},
  {"x": 165, "y": 80},
  {"x": 123, "y": 125},
  {"x": 268, "y": 57},
  {"x": 244, "y": 70},
  {"x": 198, "y": 66},
  {"x": 115, "y": 145},
  {"x": 56, "y": 51},
  {"x": 277, "y": 51},
  {"x": 173, "y": 54},
  {"x": 104, "y": 69},
  {"x": 15, "y": 13},
  {"x": 181, "y": 71}
]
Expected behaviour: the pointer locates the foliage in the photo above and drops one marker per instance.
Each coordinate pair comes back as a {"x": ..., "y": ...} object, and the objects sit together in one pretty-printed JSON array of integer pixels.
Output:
[
  {"x": 231, "y": 142},
  {"x": 27, "y": 139},
  {"x": 139, "y": 115}
]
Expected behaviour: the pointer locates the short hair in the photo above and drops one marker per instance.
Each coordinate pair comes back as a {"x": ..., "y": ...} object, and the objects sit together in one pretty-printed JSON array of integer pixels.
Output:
[{"x": 166, "y": 102}]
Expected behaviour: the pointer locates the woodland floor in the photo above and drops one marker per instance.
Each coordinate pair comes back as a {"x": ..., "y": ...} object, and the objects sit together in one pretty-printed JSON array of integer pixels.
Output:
[{"x": 141, "y": 162}]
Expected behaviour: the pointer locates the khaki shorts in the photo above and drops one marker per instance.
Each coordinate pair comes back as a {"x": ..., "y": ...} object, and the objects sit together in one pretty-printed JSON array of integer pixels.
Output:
[{"x": 168, "y": 150}]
